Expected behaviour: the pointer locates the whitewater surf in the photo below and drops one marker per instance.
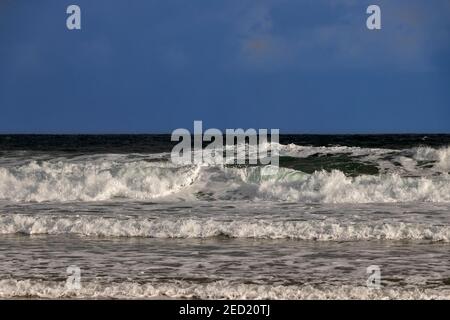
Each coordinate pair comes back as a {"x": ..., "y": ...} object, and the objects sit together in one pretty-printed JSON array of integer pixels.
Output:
[{"x": 138, "y": 225}]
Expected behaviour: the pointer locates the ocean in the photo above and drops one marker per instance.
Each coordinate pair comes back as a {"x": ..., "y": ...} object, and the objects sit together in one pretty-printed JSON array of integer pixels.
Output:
[{"x": 135, "y": 225}]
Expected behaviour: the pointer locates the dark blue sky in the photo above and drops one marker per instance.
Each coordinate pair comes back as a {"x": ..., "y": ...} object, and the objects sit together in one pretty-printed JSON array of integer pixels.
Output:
[{"x": 307, "y": 66}]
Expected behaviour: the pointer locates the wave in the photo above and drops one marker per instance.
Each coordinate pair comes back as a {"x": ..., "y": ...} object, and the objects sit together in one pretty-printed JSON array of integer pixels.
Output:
[
  {"x": 103, "y": 180},
  {"x": 336, "y": 187},
  {"x": 440, "y": 157},
  {"x": 92, "y": 180},
  {"x": 418, "y": 174},
  {"x": 418, "y": 161},
  {"x": 320, "y": 230},
  {"x": 11, "y": 288},
  {"x": 307, "y": 151}
]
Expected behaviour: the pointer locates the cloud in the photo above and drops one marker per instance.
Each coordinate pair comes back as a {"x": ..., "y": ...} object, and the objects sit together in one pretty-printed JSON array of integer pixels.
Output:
[
  {"x": 259, "y": 47},
  {"x": 413, "y": 33}
]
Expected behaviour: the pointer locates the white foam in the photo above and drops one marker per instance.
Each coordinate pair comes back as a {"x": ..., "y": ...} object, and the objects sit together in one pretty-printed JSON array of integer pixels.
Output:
[
  {"x": 336, "y": 187},
  {"x": 441, "y": 157},
  {"x": 321, "y": 230},
  {"x": 92, "y": 180},
  {"x": 407, "y": 158},
  {"x": 103, "y": 179},
  {"x": 294, "y": 150},
  {"x": 11, "y": 288}
]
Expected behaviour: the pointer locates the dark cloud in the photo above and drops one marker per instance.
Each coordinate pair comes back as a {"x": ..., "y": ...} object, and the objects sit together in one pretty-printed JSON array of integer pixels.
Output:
[
  {"x": 299, "y": 65},
  {"x": 413, "y": 33}
]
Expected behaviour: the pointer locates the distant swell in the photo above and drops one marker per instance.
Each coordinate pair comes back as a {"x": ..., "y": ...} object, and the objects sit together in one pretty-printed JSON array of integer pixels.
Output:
[
  {"x": 323, "y": 230},
  {"x": 10, "y": 288}
]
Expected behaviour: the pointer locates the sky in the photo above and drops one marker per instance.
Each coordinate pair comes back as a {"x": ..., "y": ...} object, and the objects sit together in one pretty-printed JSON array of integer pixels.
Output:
[{"x": 152, "y": 66}]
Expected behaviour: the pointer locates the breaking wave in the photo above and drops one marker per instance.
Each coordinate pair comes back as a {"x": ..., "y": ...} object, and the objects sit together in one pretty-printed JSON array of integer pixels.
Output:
[
  {"x": 92, "y": 181},
  {"x": 440, "y": 157},
  {"x": 320, "y": 230},
  {"x": 63, "y": 181}
]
